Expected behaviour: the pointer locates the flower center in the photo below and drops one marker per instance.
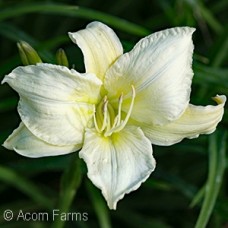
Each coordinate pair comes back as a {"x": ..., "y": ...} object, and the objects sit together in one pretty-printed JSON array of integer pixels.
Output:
[{"x": 106, "y": 120}]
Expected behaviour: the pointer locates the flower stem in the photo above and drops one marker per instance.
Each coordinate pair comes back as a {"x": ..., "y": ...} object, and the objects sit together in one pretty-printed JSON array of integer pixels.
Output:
[
  {"x": 217, "y": 165},
  {"x": 70, "y": 182}
]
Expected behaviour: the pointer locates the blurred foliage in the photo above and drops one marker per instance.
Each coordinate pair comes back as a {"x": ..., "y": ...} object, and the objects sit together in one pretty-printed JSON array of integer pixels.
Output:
[{"x": 183, "y": 171}]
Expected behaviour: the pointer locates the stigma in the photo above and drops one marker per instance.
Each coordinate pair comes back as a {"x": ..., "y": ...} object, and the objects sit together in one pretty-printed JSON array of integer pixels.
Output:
[{"x": 107, "y": 120}]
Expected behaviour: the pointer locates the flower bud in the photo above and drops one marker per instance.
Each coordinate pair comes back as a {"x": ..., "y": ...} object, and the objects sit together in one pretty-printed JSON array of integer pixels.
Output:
[
  {"x": 28, "y": 55},
  {"x": 61, "y": 58}
]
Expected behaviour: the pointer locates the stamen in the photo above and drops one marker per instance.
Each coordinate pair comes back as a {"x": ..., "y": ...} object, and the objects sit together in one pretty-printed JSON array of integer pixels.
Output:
[
  {"x": 118, "y": 117},
  {"x": 105, "y": 113},
  {"x": 119, "y": 108},
  {"x": 100, "y": 115},
  {"x": 122, "y": 123},
  {"x": 95, "y": 122},
  {"x": 111, "y": 115}
]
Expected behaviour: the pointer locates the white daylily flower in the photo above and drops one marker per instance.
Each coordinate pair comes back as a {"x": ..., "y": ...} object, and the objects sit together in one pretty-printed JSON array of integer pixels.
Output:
[{"x": 122, "y": 104}]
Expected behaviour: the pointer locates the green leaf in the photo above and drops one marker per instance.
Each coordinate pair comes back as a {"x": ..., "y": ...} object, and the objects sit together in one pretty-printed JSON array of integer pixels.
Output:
[
  {"x": 70, "y": 183},
  {"x": 220, "y": 50},
  {"x": 43, "y": 164},
  {"x": 217, "y": 165},
  {"x": 73, "y": 11},
  {"x": 27, "y": 187},
  {"x": 99, "y": 205},
  {"x": 211, "y": 76},
  {"x": 210, "y": 18}
]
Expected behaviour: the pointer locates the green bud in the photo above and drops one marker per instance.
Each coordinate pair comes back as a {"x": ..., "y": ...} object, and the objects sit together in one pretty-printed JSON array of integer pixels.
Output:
[
  {"x": 61, "y": 58},
  {"x": 28, "y": 55}
]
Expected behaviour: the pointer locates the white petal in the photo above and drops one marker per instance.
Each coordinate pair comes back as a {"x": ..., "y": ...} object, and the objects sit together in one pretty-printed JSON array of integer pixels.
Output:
[
  {"x": 159, "y": 67},
  {"x": 100, "y": 47},
  {"x": 54, "y": 82},
  {"x": 195, "y": 120},
  {"x": 117, "y": 164},
  {"x": 26, "y": 144},
  {"x": 54, "y": 122},
  {"x": 56, "y": 103}
]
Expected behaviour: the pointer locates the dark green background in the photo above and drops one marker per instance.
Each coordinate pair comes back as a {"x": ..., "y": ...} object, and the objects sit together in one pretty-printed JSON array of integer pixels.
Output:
[{"x": 163, "y": 201}]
